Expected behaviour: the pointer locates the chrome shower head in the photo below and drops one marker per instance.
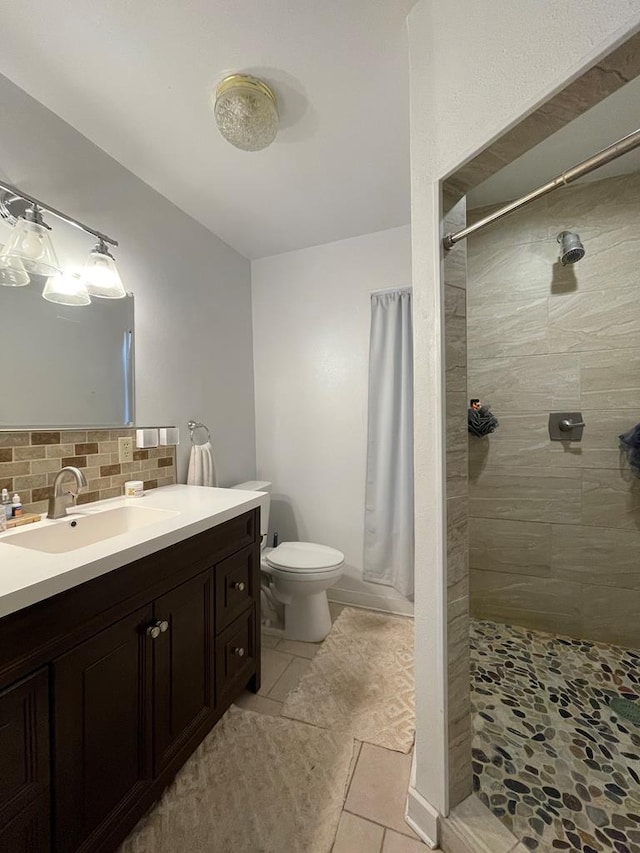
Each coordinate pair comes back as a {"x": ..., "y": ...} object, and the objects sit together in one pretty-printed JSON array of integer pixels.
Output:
[{"x": 571, "y": 248}]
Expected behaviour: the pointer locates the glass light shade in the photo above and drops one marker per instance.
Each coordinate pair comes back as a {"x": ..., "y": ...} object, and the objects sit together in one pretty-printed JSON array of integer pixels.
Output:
[
  {"x": 246, "y": 112},
  {"x": 29, "y": 249},
  {"x": 13, "y": 273},
  {"x": 101, "y": 277},
  {"x": 66, "y": 288}
]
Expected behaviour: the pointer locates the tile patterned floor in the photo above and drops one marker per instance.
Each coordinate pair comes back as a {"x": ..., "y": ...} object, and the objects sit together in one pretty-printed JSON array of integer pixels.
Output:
[
  {"x": 372, "y": 820},
  {"x": 550, "y": 757}
]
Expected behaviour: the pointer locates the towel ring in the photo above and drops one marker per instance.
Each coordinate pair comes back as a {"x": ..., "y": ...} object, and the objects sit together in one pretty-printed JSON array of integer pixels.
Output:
[{"x": 193, "y": 426}]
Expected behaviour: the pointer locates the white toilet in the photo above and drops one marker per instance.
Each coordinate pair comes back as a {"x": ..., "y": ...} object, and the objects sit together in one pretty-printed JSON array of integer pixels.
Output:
[{"x": 299, "y": 574}]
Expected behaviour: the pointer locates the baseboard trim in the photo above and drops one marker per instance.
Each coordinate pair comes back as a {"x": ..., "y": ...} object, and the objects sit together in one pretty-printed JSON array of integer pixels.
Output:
[
  {"x": 401, "y": 607},
  {"x": 422, "y": 818}
]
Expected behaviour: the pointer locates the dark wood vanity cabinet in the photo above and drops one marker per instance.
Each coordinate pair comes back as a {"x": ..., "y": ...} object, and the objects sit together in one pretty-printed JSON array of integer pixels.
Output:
[{"x": 134, "y": 670}]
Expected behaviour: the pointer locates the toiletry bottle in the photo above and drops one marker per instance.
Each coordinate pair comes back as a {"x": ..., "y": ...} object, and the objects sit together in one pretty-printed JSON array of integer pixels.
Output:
[
  {"x": 16, "y": 506},
  {"x": 7, "y": 509}
]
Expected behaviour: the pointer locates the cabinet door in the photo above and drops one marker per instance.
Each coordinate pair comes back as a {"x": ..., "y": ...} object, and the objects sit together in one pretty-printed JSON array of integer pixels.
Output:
[
  {"x": 182, "y": 665},
  {"x": 24, "y": 757},
  {"x": 29, "y": 831},
  {"x": 102, "y": 692}
]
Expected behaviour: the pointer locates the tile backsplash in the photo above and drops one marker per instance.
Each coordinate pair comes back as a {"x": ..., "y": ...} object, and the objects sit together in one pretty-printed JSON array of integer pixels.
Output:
[{"x": 29, "y": 462}]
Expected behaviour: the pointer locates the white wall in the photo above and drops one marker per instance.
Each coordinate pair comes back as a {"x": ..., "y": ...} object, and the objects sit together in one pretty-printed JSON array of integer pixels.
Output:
[
  {"x": 192, "y": 291},
  {"x": 476, "y": 69},
  {"x": 311, "y": 351}
]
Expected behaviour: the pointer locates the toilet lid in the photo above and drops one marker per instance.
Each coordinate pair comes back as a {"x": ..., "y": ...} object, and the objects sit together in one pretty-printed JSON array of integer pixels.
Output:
[{"x": 304, "y": 557}]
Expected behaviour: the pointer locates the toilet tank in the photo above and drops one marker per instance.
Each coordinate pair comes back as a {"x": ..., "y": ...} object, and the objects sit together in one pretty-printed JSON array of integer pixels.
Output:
[{"x": 259, "y": 486}]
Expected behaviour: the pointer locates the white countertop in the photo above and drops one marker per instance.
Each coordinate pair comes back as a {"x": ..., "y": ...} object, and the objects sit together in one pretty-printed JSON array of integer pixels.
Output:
[{"x": 28, "y": 576}]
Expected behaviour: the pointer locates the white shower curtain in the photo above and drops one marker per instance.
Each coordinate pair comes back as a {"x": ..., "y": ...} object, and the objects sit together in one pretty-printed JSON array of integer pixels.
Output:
[{"x": 389, "y": 536}]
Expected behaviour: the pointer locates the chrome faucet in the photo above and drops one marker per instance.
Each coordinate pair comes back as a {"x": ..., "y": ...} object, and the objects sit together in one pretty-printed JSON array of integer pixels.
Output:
[{"x": 59, "y": 500}]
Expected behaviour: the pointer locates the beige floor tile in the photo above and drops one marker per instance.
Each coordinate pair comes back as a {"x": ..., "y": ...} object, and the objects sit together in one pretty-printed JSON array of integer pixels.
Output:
[
  {"x": 354, "y": 760},
  {"x": 261, "y": 704},
  {"x": 301, "y": 650},
  {"x": 396, "y": 843},
  {"x": 379, "y": 787},
  {"x": 356, "y": 835},
  {"x": 274, "y": 664},
  {"x": 269, "y": 641},
  {"x": 289, "y": 679}
]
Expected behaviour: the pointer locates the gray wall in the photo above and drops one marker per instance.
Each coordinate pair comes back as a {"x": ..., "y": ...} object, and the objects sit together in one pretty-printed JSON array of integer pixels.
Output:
[
  {"x": 192, "y": 291},
  {"x": 459, "y": 707},
  {"x": 555, "y": 527}
]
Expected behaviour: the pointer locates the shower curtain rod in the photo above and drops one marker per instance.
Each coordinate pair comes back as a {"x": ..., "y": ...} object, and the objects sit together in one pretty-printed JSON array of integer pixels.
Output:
[{"x": 622, "y": 146}]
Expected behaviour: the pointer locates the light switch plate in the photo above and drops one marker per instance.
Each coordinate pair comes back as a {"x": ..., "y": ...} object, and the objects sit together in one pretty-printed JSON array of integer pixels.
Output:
[{"x": 125, "y": 448}]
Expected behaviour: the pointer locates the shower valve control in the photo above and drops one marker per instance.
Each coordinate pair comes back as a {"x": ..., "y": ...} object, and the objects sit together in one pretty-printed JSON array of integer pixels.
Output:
[{"x": 566, "y": 426}]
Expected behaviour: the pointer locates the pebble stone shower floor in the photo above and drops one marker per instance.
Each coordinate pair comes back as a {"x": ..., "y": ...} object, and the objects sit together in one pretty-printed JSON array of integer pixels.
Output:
[{"x": 550, "y": 757}]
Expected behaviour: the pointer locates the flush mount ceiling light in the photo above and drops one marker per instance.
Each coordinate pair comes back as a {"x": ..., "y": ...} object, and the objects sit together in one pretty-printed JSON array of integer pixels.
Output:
[
  {"x": 29, "y": 252},
  {"x": 246, "y": 112}
]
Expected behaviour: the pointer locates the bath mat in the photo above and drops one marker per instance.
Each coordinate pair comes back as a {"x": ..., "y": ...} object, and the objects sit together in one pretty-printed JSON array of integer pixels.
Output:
[
  {"x": 257, "y": 783},
  {"x": 361, "y": 680}
]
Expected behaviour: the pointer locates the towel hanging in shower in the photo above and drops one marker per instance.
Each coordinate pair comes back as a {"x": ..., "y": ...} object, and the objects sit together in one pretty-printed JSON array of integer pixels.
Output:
[
  {"x": 481, "y": 420},
  {"x": 630, "y": 444}
]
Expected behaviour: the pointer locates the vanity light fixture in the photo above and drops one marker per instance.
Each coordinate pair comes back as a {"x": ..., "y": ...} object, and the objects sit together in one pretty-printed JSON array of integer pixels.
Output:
[
  {"x": 100, "y": 274},
  {"x": 29, "y": 251},
  {"x": 66, "y": 288},
  {"x": 246, "y": 112}
]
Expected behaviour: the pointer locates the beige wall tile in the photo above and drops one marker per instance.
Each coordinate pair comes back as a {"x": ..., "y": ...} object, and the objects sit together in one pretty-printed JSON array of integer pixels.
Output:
[
  {"x": 610, "y": 499},
  {"x": 519, "y": 437},
  {"x": 498, "y": 272},
  {"x": 552, "y": 605},
  {"x": 455, "y": 339},
  {"x": 596, "y": 555},
  {"x": 357, "y": 835},
  {"x": 457, "y": 539},
  {"x": 497, "y": 329},
  {"x": 526, "y": 384},
  {"x": 379, "y": 787},
  {"x": 610, "y": 379},
  {"x": 527, "y": 494},
  {"x": 611, "y": 615},
  {"x": 595, "y": 320},
  {"x": 517, "y": 547},
  {"x": 457, "y": 445}
]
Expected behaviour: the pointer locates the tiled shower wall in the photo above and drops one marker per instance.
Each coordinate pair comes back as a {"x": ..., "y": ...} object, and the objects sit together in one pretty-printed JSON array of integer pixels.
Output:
[
  {"x": 29, "y": 462},
  {"x": 555, "y": 526},
  {"x": 459, "y": 708}
]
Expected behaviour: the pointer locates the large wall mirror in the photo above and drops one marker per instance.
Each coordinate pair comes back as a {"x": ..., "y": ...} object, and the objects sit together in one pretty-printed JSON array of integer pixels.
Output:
[{"x": 65, "y": 366}]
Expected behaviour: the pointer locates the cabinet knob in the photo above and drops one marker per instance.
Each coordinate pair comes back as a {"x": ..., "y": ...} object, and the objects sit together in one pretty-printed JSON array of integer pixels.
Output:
[
  {"x": 158, "y": 627},
  {"x": 239, "y": 652},
  {"x": 239, "y": 585}
]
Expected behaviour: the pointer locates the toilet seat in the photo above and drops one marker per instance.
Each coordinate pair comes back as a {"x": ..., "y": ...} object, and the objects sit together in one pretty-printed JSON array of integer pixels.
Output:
[{"x": 304, "y": 557}]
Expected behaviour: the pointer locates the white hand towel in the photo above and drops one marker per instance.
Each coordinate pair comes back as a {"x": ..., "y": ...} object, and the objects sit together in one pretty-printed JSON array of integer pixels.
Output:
[{"x": 202, "y": 469}]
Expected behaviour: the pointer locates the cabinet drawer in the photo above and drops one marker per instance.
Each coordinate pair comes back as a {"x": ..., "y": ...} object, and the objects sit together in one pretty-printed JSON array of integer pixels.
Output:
[
  {"x": 235, "y": 657},
  {"x": 236, "y": 580}
]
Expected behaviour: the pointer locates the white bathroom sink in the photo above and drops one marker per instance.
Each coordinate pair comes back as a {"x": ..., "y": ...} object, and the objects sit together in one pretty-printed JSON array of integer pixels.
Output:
[{"x": 78, "y": 531}]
